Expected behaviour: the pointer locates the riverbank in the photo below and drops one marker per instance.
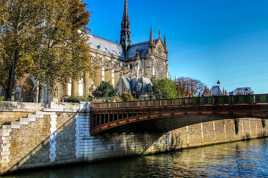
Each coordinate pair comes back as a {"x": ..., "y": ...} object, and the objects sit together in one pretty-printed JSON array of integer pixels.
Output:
[
  {"x": 58, "y": 137},
  {"x": 239, "y": 159}
]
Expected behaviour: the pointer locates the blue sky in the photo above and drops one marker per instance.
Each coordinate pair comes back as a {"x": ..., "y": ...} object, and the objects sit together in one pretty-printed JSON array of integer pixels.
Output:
[{"x": 209, "y": 40}]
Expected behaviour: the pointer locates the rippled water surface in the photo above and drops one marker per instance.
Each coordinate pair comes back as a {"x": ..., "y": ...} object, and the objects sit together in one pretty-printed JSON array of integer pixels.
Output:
[{"x": 243, "y": 159}]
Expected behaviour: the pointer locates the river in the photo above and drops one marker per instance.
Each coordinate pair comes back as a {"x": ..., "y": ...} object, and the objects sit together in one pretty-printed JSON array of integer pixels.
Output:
[{"x": 241, "y": 159}]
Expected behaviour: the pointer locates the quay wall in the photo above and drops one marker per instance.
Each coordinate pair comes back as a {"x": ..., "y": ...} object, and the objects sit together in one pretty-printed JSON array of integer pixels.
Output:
[{"x": 60, "y": 136}]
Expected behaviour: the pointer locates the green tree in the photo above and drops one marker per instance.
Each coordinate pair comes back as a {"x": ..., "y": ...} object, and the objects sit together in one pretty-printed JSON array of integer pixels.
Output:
[
  {"x": 44, "y": 38},
  {"x": 19, "y": 22},
  {"x": 164, "y": 89},
  {"x": 105, "y": 90},
  {"x": 64, "y": 51}
]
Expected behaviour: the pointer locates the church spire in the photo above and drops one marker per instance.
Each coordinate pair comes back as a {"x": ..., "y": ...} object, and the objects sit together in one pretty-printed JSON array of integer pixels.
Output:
[
  {"x": 159, "y": 35},
  {"x": 165, "y": 43},
  {"x": 125, "y": 40},
  {"x": 151, "y": 39}
]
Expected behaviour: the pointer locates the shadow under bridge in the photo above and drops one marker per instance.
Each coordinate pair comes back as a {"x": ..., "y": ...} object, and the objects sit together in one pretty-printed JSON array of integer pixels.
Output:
[{"x": 165, "y": 115}]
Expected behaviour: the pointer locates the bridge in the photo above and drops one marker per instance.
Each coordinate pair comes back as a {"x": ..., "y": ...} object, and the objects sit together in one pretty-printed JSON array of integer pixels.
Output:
[{"x": 110, "y": 116}]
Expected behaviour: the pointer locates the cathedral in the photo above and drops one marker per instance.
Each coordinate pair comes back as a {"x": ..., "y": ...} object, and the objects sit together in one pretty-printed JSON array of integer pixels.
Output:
[{"x": 148, "y": 59}]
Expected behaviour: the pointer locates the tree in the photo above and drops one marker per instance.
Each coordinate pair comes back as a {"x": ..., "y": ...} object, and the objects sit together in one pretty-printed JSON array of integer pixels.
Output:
[
  {"x": 188, "y": 87},
  {"x": 164, "y": 89},
  {"x": 64, "y": 50},
  {"x": 105, "y": 90},
  {"x": 19, "y": 22},
  {"x": 44, "y": 38},
  {"x": 224, "y": 92},
  {"x": 206, "y": 91}
]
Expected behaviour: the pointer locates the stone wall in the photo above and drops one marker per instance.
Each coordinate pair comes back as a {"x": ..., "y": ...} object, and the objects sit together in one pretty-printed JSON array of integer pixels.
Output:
[
  {"x": 8, "y": 117},
  {"x": 19, "y": 107},
  {"x": 207, "y": 133},
  {"x": 51, "y": 137}
]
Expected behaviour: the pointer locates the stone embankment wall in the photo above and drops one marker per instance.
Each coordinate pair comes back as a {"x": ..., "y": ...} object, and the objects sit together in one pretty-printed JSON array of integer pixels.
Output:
[
  {"x": 8, "y": 117},
  {"x": 62, "y": 135},
  {"x": 13, "y": 111}
]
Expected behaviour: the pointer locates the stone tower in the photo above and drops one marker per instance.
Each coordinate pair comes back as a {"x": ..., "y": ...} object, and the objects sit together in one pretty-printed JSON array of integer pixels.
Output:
[{"x": 125, "y": 40}]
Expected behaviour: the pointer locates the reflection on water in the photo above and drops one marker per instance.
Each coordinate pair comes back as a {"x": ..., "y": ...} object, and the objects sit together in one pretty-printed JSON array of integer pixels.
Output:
[{"x": 243, "y": 159}]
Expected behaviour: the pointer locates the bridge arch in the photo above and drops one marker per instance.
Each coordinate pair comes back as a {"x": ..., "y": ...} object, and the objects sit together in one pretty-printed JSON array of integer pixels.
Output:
[
  {"x": 111, "y": 116},
  {"x": 161, "y": 122}
]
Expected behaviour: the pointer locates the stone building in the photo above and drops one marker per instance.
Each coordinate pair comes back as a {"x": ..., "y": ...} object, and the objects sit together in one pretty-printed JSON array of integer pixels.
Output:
[{"x": 148, "y": 59}]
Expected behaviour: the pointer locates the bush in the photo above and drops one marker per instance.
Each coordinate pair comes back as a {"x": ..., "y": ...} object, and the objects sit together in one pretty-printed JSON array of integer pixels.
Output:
[
  {"x": 77, "y": 99},
  {"x": 2, "y": 98},
  {"x": 116, "y": 99},
  {"x": 127, "y": 97},
  {"x": 164, "y": 89},
  {"x": 105, "y": 90}
]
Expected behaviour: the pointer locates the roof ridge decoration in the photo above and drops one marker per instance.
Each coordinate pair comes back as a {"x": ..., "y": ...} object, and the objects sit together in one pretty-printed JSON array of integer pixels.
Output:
[
  {"x": 104, "y": 39},
  {"x": 105, "y": 46}
]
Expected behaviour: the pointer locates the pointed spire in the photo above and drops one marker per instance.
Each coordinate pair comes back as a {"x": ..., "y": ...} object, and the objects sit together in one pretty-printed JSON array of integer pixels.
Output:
[
  {"x": 151, "y": 38},
  {"x": 165, "y": 44},
  {"x": 125, "y": 8},
  {"x": 159, "y": 35},
  {"x": 125, "y": 40}
]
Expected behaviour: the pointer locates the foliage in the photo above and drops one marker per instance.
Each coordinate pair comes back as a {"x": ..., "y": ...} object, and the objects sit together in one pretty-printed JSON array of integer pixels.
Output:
[
  {"x": 18, "y": 22},
  {"x": 127, "y": 97},
  {"x": 206, "y": 91},
  {"x": 2, "y": 98},
  {"x": 164, "y": 89},
  {"x": 43, "y": 38},
  {"x": 116, "y": 99},
  {"x": 243, "y": 91},
  {"x": 65, "y": 52},
  {"x": 78, "y": 99},
  {"x": 105, "y": 90},
  {"x": 188, "y": 87}
]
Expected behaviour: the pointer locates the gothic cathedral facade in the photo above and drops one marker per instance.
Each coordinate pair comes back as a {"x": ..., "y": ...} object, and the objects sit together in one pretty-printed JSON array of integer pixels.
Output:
[{"x": 148, "y": 59}]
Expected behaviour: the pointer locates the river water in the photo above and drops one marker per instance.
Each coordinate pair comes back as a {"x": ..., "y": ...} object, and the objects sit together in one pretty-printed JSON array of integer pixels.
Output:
[{"x": 241, "y": 159}]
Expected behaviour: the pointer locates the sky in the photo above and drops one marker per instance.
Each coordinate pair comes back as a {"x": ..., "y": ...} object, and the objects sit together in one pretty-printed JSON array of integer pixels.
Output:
[{"x": 208, "y": 40}]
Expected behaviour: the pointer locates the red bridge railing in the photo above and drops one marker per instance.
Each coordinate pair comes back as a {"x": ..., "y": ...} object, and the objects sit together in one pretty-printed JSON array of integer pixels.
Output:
[
  {"x": 212, "y": 100},
  {"x": 105, "y": 116}
]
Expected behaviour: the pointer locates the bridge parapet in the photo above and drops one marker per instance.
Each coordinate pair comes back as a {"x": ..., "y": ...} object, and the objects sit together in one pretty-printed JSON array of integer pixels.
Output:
[
  {"x": 211, "y": 100},
  {"x": 106, "y": 116}
]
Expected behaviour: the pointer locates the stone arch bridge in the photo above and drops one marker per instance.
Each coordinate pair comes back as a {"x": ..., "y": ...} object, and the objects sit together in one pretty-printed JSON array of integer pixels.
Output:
[{"x": 176, "y": 113}]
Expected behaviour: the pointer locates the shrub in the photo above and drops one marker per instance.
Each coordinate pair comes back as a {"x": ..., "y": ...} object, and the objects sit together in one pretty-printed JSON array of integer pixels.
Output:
[
  {"x": 116, "y": 99},
  {"x": 2, "y": 98},
  {"x": 164, "y": 89},
  {"x": 127, "y": 97},
  {"x": 105, "y": 90},
  {"x": 77, "y": 99}
]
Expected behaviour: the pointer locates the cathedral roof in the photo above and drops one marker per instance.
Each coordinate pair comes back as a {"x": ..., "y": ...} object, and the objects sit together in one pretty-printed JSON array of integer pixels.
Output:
[
  {"x": 112, "y": 48},
  {"x": 141, "y": 48},
  {"x": 105, "y": 46}
]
